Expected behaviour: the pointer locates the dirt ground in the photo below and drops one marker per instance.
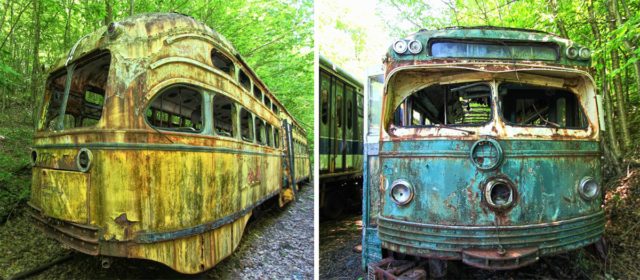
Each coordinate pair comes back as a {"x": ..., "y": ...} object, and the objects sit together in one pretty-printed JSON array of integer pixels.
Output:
[{"x": 278, "y": 244}]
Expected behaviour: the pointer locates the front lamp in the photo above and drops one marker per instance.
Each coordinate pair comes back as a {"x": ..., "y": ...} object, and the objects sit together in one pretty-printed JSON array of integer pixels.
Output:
[
  {"x": 401, "y": 192},
  {"x": 588, "y": 188}
]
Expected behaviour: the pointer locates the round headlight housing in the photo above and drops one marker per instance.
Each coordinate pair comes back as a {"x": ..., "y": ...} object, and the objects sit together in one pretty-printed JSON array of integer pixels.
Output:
[
  {"x": 572, "y": 52},
  {"x": 588, "y": 188},
  {"x": 83, "y": 159},
  {"x": 585, "y": 53},
  {"x": 400, "y": 46},
  {"x": 401, "y": 192},
  {"x": 499, "y": 193},
  {"x": 415, "y": 47}
]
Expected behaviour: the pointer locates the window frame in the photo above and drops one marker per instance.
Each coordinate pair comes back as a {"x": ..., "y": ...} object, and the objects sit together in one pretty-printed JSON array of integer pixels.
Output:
[
  {"x": 156, "y": 111},
  {"x": 234, "y": 116}
]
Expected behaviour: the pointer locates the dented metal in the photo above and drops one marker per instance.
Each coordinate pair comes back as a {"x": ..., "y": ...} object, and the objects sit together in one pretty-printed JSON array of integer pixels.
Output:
[
  {"x": 499, "y": 207},
  {"x": 179, "y": 198}
]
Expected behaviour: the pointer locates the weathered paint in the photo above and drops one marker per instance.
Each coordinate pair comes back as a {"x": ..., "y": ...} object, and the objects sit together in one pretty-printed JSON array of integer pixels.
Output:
[
  {"x": 449, "y": 217},
  {"x": 181, "y": 199}
]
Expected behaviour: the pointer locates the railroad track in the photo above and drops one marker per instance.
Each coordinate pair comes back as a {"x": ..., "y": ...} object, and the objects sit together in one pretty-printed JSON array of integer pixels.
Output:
[{"x": 39, "y": 269}]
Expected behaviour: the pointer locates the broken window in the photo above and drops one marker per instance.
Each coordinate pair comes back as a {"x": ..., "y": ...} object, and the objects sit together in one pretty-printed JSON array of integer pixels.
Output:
[
  {"x": 257, "y": 93},
  {"x": 269, "y": 134},
  {"x": 85, "y": 101},
  {"x": 224, "y": 116},
  {"x": 246, "y": 125},
  {"x": 244, "y": 80},
  {"x": 452, "y": 104},
  {"x": 276, "y": 138},
  {"x": 528, "y": 105},
  {"x": 260, "y": 132},
  {"x": 178, "y": 108},
  {"x": 267, "y": 102},
  {"x": 222, "y": 62}
]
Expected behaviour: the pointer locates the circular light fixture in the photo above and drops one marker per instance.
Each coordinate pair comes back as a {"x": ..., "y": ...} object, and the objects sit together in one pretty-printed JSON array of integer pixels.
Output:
[
  {"x": 572, "y": 52},
  {"x": 401, "y": 192},
  {"x": 113, "y": 29},
  {"x": 499, "y": 193},
  {"x": 415, "y": 47},
  {"x": 588, "y": 188},
  {"x": 585, "y": 53},
  {"x": 83, "y": 160},
  {"x": 400, "y": 46},
  {"x": 34, "y": 157},
  {"x": 486, "y": 154}
]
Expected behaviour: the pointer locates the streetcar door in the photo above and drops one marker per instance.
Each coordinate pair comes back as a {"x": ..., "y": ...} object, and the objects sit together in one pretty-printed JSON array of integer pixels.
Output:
[
  {"x": 338, "y": 125},
  {"x": 347, "y": 141},
  {"x": 371, "y": 247},
  {"x": 325, "y": 122},
  {"x": 288, "y": 190}
]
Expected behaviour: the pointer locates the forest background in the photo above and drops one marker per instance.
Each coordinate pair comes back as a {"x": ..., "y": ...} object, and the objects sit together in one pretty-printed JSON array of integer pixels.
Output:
[
  {"x": 274, "y": 37},
  {"x": 356, "y": 35}
]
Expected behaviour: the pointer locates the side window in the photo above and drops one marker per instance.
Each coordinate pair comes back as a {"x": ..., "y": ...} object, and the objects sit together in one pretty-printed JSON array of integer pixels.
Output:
[
  {"x": 222, "y": 62},
  {"x": 244, "y": 80},
  {"x": 325, "y": 84},
  {"x": 349, "y": 114},
  {"x": 246, "y": 125},
  {"x": 269, "y": 134},
  {"x": 260, "y": 132},
  {"x": 267, "y": 102},
  {"x": 257, "y": 93},
  {"x": 339, "y": 103},
  {"x": 275, "y": 108},
  {"x": 177, "y": 108},
  {"x": 276, "y": 138},
  {"x": 224, "y": 116}
]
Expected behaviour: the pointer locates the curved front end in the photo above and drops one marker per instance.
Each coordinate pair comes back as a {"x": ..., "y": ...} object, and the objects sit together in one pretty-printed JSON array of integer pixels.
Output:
[{"x": 450, "y": 215}]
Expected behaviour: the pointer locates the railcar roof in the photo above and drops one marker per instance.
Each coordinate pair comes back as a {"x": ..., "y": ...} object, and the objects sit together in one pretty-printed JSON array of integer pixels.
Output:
[
  {"x": 328, "y": 64},
  {"x": 489, "y": 33},
  {"x": 149, "y": 26}
]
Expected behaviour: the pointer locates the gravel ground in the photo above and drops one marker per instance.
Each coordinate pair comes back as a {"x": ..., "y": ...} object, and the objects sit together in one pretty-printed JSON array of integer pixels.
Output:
[
  {"x": 278, "y": 244},
  {"x": 338, "y": 259}
]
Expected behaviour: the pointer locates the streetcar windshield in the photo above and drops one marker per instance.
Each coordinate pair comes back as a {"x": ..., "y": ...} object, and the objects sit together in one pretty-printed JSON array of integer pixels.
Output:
[
  {"x": 450, "y": 104},
  {"x": 528, "y": 105},
  {"x": 83, "y": 105}
]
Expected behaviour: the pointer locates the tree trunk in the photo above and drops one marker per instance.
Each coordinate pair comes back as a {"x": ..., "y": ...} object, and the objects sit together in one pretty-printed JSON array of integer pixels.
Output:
[
  {"x": 556, "y": 18},
  {"x": 613, "y": 139},
  {"x": 632, "y": 46},
  {"x": 131, "y": 5},
  {"x": 35, "y": 73},
  {"x": 67, "y": 27},
  {"x": 621, "y": 106},
  {"x": 109, "y": 9}
]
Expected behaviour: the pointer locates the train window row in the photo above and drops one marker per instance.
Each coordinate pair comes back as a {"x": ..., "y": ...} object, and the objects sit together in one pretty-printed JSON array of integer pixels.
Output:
[
  {"x": 179, "y": 108},
  {"x": 336, "y": 93},
  {"x": 226, "y": 65}
]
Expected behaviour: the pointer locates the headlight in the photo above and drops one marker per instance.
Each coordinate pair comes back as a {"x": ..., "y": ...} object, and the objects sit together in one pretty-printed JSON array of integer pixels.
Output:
[
  {"x": 588, "y": 188},
  {"x": 499, "y": 193},
  {"x": 83, "y": 160},
  {"x": 401, "y": 192},
  {"x": 400, "y": 46},
  {"x": 585, "y": 53},
  {"x": 415, "y": 47},
  {"x": 572, "y": 52}
]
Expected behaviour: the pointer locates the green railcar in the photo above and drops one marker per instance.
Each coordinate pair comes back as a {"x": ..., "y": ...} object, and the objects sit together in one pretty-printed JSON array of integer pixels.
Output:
[
  {"x": 482, "y": 145},
  {"x": 341, "y": 126}
]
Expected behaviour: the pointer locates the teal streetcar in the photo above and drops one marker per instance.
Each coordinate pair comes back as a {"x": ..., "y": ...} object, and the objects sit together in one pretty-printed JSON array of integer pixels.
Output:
[{"x": 481, "y": 145}]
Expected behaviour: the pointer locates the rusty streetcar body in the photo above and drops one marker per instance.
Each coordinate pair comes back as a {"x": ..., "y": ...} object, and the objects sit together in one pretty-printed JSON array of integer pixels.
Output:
[
  {"x": 481, "y": 145},
  {"x": 156, "y": 141}
]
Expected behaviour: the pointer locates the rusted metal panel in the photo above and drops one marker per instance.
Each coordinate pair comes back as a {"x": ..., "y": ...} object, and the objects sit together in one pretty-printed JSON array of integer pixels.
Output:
[{"x": 450, "y": 172}]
